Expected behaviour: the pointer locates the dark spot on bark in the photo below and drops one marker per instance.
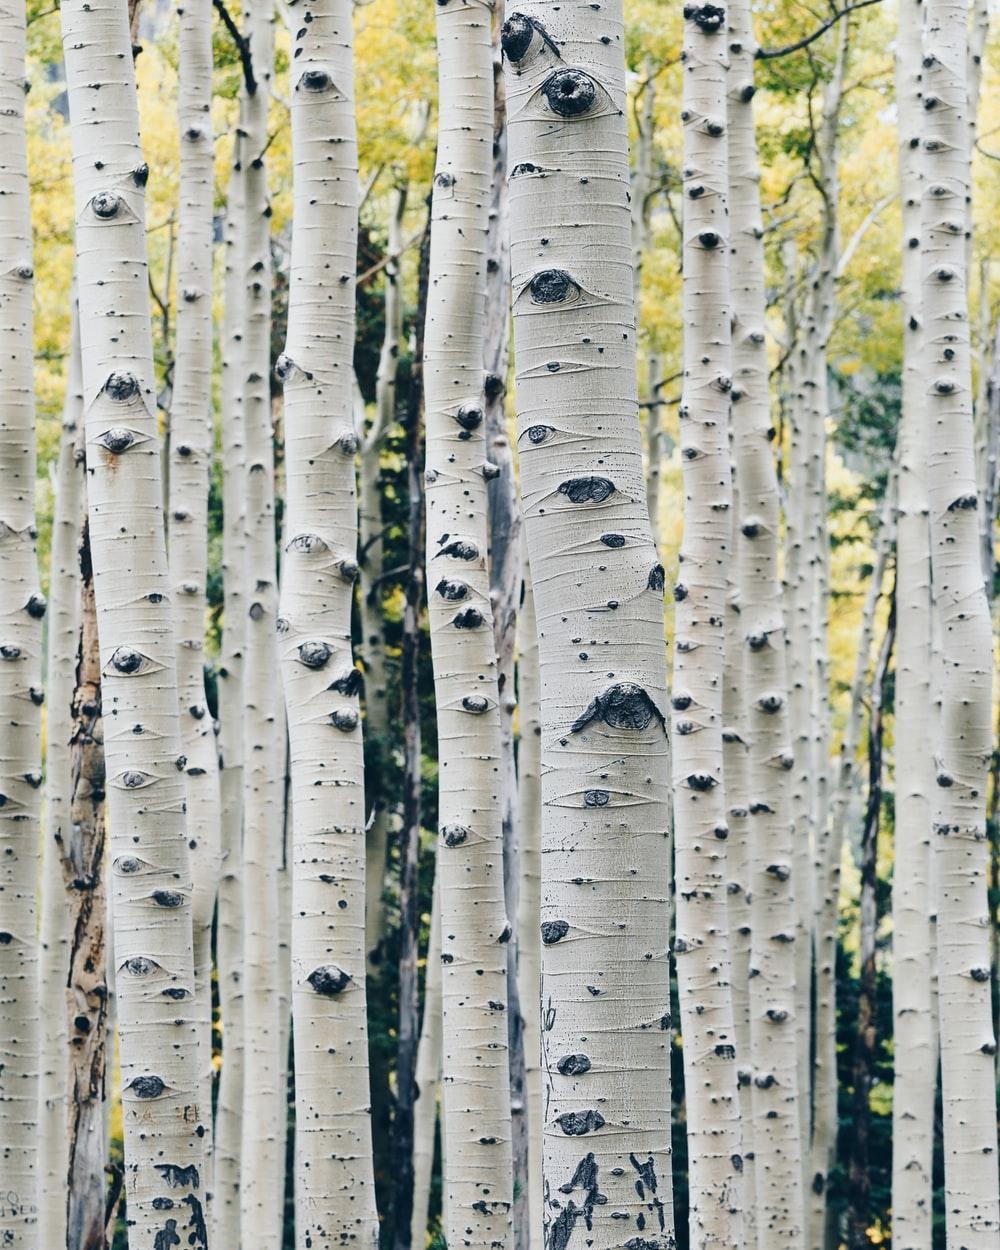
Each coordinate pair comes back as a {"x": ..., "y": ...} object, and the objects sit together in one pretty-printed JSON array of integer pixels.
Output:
[
  {"x": 725, "y": 1051},
  {"x": 345, "y": 719},
  {"x": 979, "y": 974},
  {"x": 587, "y": 489},
  {"x": 964, "y": 503},
  {"x": 709, "y": 240},
  {"x": 475, "y": 703},
  {"x": 552, "y": 286},
  {"x": 770, "y": 703},
  {"x": 454, "y": 835},
  {"x": 569, "y": 92},
  {"x": 167, "y": 1237},
  {"x": 468, "y": 618},
  {"x": 469, "y": 417},
  {"x": 613, "y": 540},
  {"x": 9, "y": 652},
  {"x": 700, "y": 781},
  {"x": 117, "y": 440},
  {"x": 133, "y": 780},
  {"x": 490, "y": 470},
  {"x": 36, "y": 696},
  {"x": 178, "y": 1177},
  {"x": 561, "y": 1229},
  {"x": 579, "y": 1123},
  {"x": 147, "y": 1087},
  {"x": 33, "y": 779},
  {"x": 574, "y": 1065},
  {"x": 349, "y": 443},
  {"x": 35, "y": 607},
  {"x": 121, "y": 387},
  {"x": 167, "y": 898},
  {"x": 447, "y": 959},
  {"x": 176, "y": 993},
  {"x": 163, "y": 1204},
  {"x": 128, "y": 864},
  {"x": 461, "y": 549},
  {"x": 6, "y": 939},
  {"x": 656, "y": 579},
  {"x": 315, "y": 80},
  {"x": 314, "y": 654},
  {"x": 256, "y": 611},
  {"x": 596, "y": 798},
  {"x": 680, "y": 592},
  {"x": 139, "y": 966},
  {"x": 452, "y": 590},
  {"x": 126, "y": 661},
  {"x": 554, "y": 931},
  {"x": 495, "y": 1006},
  {"x": 639, "y": 1243},
  {"x": 818, "y": 1183},
  {"x": 539, "y": 433},
  {"x": 106, "y": 205},
  {"x": 140, "y": 175},
  {"x": 350, "y": 684},
  {"x": 506, "y": 933},
  {"x": 329, "y": 980},
  {"x": 516, "y": 36},
  {"x": 624, "y": 705}
]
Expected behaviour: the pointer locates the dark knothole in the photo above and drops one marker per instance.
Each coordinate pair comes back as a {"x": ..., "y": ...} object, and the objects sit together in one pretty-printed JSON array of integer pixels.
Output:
[
  {"x": 554, "y": 931},
  {"x": 329, "y": 980},
  {"x": 315, "y": 80},
  {"x": 552, "y": 286},
  {"x": 475, "y": 703},
  {"x": 127, "y": 661},
  {"x": 516, "y": 36},
  {"x": 624, "y": 705},
  {"x": 570, "y": 92},
  {"x": 117, "y": 441},
  {"x": 656, "y": 579},
  {"x": 454, "y": 835},
  {"x": 35, "y": 607},
  {"x": 106, "y": 205},
  {"x": 139, "y": 966},
  {"x": 579, "y": 1123},
  {"x": 147, "y": 1087},
  {"x": 314, "y": 654},
  {"x": 539, "y": 433},
  {"x": 345, "y": 719},
  {"x": 701, "y": 781},
  {"x": 469, "y": 417},
  {"x": 613, "y": 540},
  {"x": 587, "y": 489},
  {"x": 596, "y": 798},
  {"x": 167, "y": 898},
  {"x": 468, "y": 618},
  {"x": 453, "y": 591},
  {"x": 140, "y": 175},
  {"x": 573, "y": 1065}
]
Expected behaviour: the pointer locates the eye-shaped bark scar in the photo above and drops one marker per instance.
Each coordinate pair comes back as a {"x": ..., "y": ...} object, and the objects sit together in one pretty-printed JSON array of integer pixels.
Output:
[
  {"x": 314, "y": 654},
  {"x": 329, "y": 980},
  {"x": 317, "y": 81},
  {"x": 307, "y": 544},
  {"x": 460, "y": 549},
  {"x": 518, "y": 34},
  {"x": 587, "y": 489},
  {"x": 146, "y": 1087},
  {"x": 579, "y": 1123},
  {"x": 128, "y": 662},
  {"x": 553, "y": 286},
  {"x": 140, "y": 966},
  {"x": 624, "y": 705}
]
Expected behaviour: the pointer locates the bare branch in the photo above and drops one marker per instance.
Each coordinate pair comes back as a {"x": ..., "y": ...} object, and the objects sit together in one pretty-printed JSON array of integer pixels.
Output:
[
  {"x": 242, "y": 45},
  {"x": 770, "y": 54}
]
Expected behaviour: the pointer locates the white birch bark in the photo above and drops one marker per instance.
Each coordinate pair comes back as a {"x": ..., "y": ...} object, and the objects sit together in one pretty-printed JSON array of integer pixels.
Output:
[
  {"x": 914, "y": 1046},
  {"x": 22, "y": 607},
  {"x": 150, "y": 869},
  {"x": 263, "y": 1137},
  {"x": 229, "y": 933},
  {"x": 529, "y": 945},
  {"x": 335, "y": 1197},
  {"x": 966, "y": 1030},
  {"x": 475, "y": 930},
  {"x": 191, "y": 447},
  {"x": 701, "y": 944},
  {"x": 598, "y": 597},
  {"x": 54, "y": 948},
  {"x": 428, "y": 1078}
]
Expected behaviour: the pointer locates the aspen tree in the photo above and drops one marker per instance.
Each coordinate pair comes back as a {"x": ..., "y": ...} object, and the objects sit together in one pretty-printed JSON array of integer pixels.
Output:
[
  {"x": 701, "y": 944},
  {"x": 598, "y": 596},
  {"x": 229, "y": 934},
  {"x": 772, "y": 1135},
  {"x": 54, "y": 933},
  {"x": 474, "y": 927},
  {"x": 150, "y": 872},
  {"x": 22, "y": 607},
  {"x": 191, "y": 439},
  {"x": 966, "y": 1028},
  {"x": 91, "y": 970},
  {"x": 335, "y": 1198},
  {"x": 425, "y": 1111},
  {"x": 529, "y": 943}
]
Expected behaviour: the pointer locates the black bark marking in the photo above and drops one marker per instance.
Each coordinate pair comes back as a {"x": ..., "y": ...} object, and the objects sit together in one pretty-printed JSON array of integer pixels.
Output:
[
  {"x": 178, "y": 1177},
  {"x": 127, "y": 864},
  {"x": 646, "y": 1178},
  {"x": 198, "y": 1236},
  {"x": 106, "y": 205},
  {"x": 570, "y": 92},
  {"x": 308, "y": 544},
  {"x": 315, "y": 80},
  {"x": 314, "y": 654},
  {"x": 35, "y": 607},
  {"x": 585, "y": 1177},
  {"x": 468, "y": 618},
  {"x": 127, "y": 661},
  {"x": 624, "y": 705},
  {"x": 453, "y": 591},
  {"x": 587, "y": 489},
  {"x": 964, "y": 503},
  {"x": 454, "y": 835},
  {"x": 176, "y": 993},
  {"x": 117, "y": 440},
  {"x": 345, "y": 719},
  {"x": 573, "y": 1065},
  {"x": 469, "y": 417},
  {"x": 167, "y": 898},
  {"x": 770, "y": 703},
  {"x": 517, "y": 34},
  {"x": 554, "y": 931},
  {"x": 461, "y": 549},
  {"x": 329, "y": 980},
  {"x": 121, "y": 386},
  {"x": 140, "y": 966},
  {"x": 475, "y": 703},
  {"x": 613, "y": 540},
  {"x": 140, "y": 175},
  {"x": 147, "y": 1087},
  {"x": 579, "y": 1123},
  {"x": 350, "y": 684},
  {"x": 596, "y": 798},
  {"x": 167, "y": 1237},
  {"x": 657, "y": 579},
  {"x": 539, "y": 433},
  {"x": 552, "y": 286},
  {"x": 9, "y": 652},
  {"x": 700, "y": 781},
  {"x": 561, "y": 1228}
]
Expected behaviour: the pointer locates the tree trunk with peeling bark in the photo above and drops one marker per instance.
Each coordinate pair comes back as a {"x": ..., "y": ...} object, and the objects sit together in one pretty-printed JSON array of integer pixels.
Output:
[{"x": 598, "y": 595}]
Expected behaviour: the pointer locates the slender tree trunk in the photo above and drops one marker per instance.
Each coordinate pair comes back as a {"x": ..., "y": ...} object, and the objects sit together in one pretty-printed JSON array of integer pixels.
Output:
[
  {"x": 529, "y": 945},
  {"x": 966, "y": 1031},
  {"x": 425, "y": 1111},
  {"x": 54, "y": 932},
  {"x": 87, "y": 998},
  {"x": 262, "y": 1179},
  {"x": 191, "y": 439},
  {"x": 866, "y": 1028},
  {"x": 914, "y": 1048},
  {"x": 371, "y": 591},
  {"x": 598, "y": 595},
  {"x": 23, "y": 607},
  {"x": 335, "y": 1197},
  {"x": 989, "y": 459},
  {"x": 229, "y": 929},
  {"x": 474, "y": 994},
  {"x": 164, "y": 1122},
  {"x": 701, "y": 944}
]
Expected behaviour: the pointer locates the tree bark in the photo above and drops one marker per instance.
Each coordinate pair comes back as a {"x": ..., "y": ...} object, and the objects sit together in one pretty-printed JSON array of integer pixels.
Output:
[
  {"x": 598, "y": 595},
  {"x": 474, "y": 927},
  {"x": 23, "y": 607},
  {"x": 966, "y": 1032},
  {"x": 335, "y": 1197},
  {"x": 428, "y": 1080},
  {"x": 701, "y": 944}
]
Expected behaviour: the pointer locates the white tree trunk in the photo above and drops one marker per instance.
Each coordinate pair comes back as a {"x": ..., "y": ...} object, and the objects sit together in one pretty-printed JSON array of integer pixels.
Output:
[
  {"x": 475, "y": 930},
  {"x": 191, "y": 446},
  {"x": 425, "y": 1110},
  {"x": 53, "y": 962},
  {"x": 154, "y": 963},
  {"x": 598, "y": 596},
  {"x": 262, "y": 1152},
  {"x": 701, "y": 944},
  {"x": 229, "y": 932},
  {"x": 966, "y": 1029},
  {"x": 335, "y": 1197},
  {"x": 22, "y": 607}
]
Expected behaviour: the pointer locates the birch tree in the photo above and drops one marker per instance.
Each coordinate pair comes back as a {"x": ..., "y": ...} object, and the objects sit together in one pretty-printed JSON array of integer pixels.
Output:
[
  {"x": 474, "y": 926},
  {"x": 191, "y": 438},
  {"x": 966, "y": 1032},
  {"x": 54, "y": 932},
  {"x": 23, "y": 607},
  {"x": 598, "y": 596},
  {"x": 151, "y": 879},
  {"x": 425, "y": 1112},
  {"x": 701, "y": 944},
  {"x": 335, "y": 1197}
]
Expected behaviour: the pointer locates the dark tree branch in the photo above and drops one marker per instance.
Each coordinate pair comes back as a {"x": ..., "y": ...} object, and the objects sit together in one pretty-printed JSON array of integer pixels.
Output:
[
  {"x": 243, "y": 45},
  {"x": 770, "y": 54}
]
